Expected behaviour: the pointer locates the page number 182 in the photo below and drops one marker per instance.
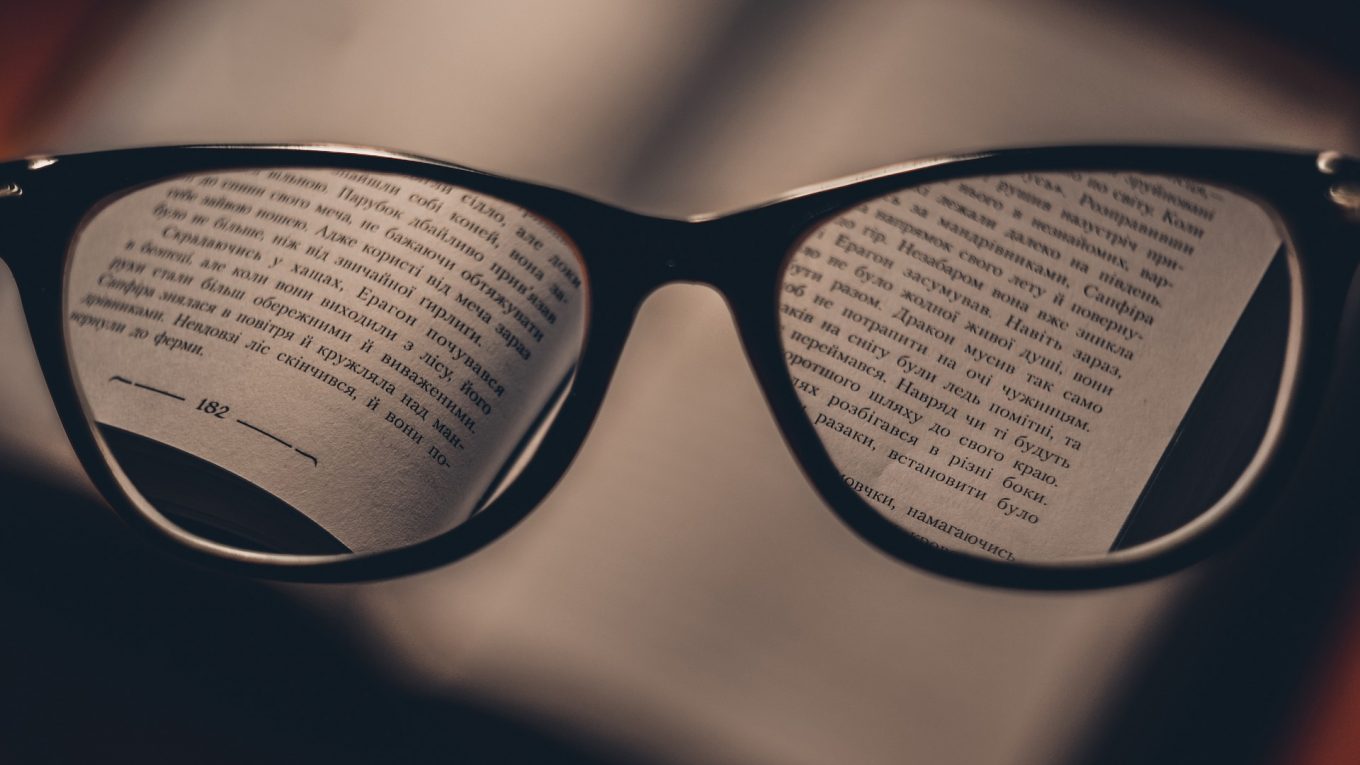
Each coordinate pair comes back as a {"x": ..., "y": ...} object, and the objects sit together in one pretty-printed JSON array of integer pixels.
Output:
[{"x": 215, "y": 408}]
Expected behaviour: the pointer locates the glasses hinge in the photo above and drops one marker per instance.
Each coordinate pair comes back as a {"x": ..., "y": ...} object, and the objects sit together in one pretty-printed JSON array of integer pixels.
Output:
[
  {"x": 1347, "y": 196},
  {"x": 10, "y": 190},
  {"x": 1345, "y": 191}
]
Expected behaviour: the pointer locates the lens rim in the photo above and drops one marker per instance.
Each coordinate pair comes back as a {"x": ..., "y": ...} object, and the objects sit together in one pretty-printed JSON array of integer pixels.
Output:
[
  {"x": 1240, "y": 486},
  {"x": 130, "y": 487},
  {"x": 104, "y": 177},
  {"x": 1245, "y": 498}
]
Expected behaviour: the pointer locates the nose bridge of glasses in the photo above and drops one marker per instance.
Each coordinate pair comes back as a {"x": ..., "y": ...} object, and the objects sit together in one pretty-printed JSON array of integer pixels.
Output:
[{"x": 680, "y": 251}]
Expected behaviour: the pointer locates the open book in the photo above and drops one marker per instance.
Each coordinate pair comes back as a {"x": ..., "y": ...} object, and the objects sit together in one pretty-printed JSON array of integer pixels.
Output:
[{"x": 320, "y": 360}]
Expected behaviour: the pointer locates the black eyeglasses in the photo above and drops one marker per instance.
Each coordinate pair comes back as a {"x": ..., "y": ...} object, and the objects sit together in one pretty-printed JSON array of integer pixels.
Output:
[{"x": 1063, "y": 367}]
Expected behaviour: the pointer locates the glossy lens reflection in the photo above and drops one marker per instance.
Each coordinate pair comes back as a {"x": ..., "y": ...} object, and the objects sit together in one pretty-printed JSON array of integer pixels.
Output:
[
  {"x": 320, "y": 361},
  {"x": 1041, "y": 367}
]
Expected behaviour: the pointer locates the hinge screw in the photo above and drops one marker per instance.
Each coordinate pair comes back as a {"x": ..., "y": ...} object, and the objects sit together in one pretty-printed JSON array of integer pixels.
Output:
[
  {"x": 1331, "y": 162},
  {"x": 1347, "y": 195}
]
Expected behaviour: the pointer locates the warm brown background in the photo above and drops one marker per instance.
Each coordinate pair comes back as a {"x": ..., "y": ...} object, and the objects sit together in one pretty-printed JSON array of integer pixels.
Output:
[{"x": 683, "y": 596}]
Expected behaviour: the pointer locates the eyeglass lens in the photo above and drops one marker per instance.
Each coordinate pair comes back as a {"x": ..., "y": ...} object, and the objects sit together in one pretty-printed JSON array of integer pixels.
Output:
[
  {"x": 320, "y": 361},
  {"x": 1040, "y": 366}
]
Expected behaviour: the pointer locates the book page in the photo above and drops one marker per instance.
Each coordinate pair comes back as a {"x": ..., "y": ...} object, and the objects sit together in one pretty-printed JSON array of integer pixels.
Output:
[
  {"x": 997, "y": 364},
  {"x": 371, "y": 349}
]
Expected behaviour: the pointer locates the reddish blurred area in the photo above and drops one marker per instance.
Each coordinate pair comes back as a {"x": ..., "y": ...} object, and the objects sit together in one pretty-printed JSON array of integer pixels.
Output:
[
  {"x": 44, "y": 48},
  {"x": 1328, "y": 729}
]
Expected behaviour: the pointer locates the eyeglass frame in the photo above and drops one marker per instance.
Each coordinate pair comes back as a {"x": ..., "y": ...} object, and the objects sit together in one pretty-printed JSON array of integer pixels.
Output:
[{"x": 625, "y": 256}]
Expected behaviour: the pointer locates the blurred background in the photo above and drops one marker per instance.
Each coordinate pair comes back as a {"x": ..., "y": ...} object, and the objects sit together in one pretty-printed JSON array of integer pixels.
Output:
[{"x": 683, "y": 595}]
